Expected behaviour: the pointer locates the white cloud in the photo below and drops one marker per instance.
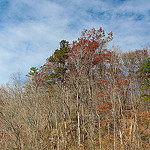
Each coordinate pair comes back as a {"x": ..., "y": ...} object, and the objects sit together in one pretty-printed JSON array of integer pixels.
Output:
[{"x": 31, "y": 30}]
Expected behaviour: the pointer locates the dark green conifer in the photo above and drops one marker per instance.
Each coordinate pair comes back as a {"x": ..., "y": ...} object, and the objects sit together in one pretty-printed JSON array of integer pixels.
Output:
[{"x": 144, "y": 75}]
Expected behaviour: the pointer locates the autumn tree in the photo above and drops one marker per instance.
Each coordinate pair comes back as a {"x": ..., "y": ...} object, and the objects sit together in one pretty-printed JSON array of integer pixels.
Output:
[
  {"x": 86, "y": 57},
  {"x": 85, "y": 96},
  {"x": 145, "y": 78}
]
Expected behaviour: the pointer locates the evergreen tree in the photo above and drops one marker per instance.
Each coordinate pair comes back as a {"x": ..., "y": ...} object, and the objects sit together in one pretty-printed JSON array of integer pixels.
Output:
[
  {"x": 59, "y": 58},
  {"x": 145, "y": 79}
]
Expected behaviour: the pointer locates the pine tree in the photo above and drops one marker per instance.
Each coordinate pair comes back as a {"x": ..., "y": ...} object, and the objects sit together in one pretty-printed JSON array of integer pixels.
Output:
[
  {"x": 145, "y": 79},
  {"x": 59, "y": 58}
]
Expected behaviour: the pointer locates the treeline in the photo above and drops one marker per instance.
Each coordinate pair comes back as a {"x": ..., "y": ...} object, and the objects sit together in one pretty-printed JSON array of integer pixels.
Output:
[{"x": 85, "y": 96}]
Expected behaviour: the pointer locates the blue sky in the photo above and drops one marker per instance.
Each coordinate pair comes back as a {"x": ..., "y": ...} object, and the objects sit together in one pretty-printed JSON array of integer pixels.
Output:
[{"x": 30, "y": 30}]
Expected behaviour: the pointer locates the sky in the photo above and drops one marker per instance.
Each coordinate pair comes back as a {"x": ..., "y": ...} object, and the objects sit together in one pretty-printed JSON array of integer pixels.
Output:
[{"x": 30, "y": 30}]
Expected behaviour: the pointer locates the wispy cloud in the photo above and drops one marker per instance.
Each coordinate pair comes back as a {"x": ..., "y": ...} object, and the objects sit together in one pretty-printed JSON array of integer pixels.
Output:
[{"x": 31, "y": 30}]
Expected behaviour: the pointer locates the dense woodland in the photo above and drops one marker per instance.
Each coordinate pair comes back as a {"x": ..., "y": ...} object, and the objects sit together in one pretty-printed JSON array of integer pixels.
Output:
[{"x": 85, "y": 97}]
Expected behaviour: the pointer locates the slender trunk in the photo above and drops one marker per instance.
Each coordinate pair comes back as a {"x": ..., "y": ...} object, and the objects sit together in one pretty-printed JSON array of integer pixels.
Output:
[
  {"x": 108, "y": 129},
  {"x": 114, "y": 133},
  {"x": 57, "y": 131},
  {"x": 148, "y": 127},
  {"x": 65, "y": 124},
  {"x": 99, "y": 124},
  {"x": 91, "y": 111},
  {"x": 114, "y": 118},
  {"x": 78, "y": 115},
  {"x": 78, "y": 129},
  {"x": 52, "y": 145},
  {"x": 83, "y": 123},
  {"x": 121, "y": 138}
]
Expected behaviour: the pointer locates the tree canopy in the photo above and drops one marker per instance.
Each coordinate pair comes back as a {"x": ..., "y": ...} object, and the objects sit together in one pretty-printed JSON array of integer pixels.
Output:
[{"x": 85, "y": 96}]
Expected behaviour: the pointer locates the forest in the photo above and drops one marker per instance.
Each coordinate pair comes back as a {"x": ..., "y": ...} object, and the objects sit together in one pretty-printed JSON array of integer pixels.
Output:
[{"x": 85, "y": 97}]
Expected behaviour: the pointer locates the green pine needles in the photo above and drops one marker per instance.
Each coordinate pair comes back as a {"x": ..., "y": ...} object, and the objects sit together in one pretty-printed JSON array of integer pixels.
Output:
[
  {"x": 144, "y": 75},
  {"x": 60, "y": 56}
]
